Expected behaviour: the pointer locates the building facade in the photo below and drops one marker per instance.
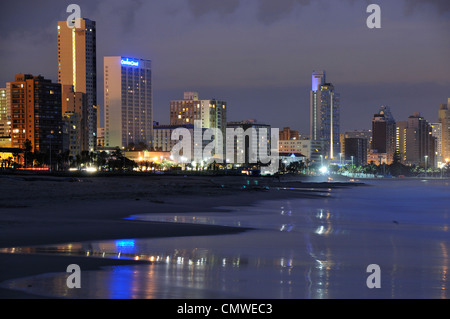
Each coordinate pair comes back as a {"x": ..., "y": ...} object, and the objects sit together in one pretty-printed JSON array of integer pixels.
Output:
[
  {"x": 437, "y": 134},
  {"x": 325, "y": 115},
  {"x": 384, "y": 133},
  {"x": 309, "y": 148},
  {"x": 35, "y": 113},
  {"x": 5, "y": 115},
  {"x": 162, "y": 136},
  {"x": 444, "y": 119},
  {"x": 416, "y": 144},
  {"x": 128, "y": 101},
  {"x": 77, "y": 67},
  {"x": 74, "y": 109},
  {"x": 288, "y": 134},
  {"x": 211, "y": 113},
  {"x": 365, "y": 134},
  {"x": 356, "y": 151},
  {"x": 72, "y": 133}
]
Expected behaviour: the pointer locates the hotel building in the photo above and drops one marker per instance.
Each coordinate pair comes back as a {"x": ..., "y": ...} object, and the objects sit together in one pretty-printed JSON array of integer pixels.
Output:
[
  {"x": 77, "y": 67},
  {"x": 128, "y": 101}
]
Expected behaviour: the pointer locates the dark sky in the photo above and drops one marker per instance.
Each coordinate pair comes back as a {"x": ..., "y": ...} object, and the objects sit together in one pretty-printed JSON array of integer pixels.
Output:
[{"x": 258, "y": 55}]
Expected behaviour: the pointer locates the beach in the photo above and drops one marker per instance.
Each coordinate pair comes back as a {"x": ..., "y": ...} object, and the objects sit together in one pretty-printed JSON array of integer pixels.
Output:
[
  {"x": 223, "y": 237},
  {"x": 48, "y": 210}
]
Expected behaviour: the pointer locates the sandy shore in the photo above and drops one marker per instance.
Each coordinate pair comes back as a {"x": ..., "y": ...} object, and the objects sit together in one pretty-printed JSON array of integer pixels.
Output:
[{"x": 40, "y": 210}]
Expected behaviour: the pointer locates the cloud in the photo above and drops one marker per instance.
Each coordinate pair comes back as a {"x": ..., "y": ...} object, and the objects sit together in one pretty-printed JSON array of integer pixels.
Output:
[
  {"x": 127, "y": 13},
  {"x": 442, "y": 6},
  {"x": 201, "y": 7},
  {"x": 270, "y": 11}
]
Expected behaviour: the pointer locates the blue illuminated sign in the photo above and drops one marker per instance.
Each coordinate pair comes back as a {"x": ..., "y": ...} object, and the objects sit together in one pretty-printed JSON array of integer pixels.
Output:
[
  {"x": 129, "y": 243},
  {"x": 129, "y": 62}
]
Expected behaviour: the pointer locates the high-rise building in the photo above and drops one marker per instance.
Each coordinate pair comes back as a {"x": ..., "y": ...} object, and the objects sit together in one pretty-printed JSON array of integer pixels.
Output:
[
  {"x": 77, "y": 67},
  {"x": 128, "y": 101},
  {"x": 325, "y": 114},
  {"x": 444, "y": 119},
  {"x": 72, "y": 133},
  {"x": 5, "y": 115},
  {"x": 365, "y": 134},
  {"x": 416, "y": 144},
  {"x": 35, "y": 113},
  {"x": 384, "y": 133},
  {"x": 74, "y": 105},
  {"x": 212, "y": 113},
  {"x": 356, "y": 150},
  {"x": 437, "y": 134},
  {"x": 401, "y": 127}
]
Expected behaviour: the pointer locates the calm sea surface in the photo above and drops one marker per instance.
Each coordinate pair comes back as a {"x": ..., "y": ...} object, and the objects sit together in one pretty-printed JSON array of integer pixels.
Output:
[{"x": 299, "y": 248}]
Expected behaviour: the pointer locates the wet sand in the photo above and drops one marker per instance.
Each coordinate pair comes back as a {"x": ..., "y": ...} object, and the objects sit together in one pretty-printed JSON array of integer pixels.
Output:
[{"x": 43, "y": 210}]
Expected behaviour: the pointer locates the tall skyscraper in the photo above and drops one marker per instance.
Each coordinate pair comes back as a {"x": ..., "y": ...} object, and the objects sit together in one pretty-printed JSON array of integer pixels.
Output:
[
  {"x": 35, "y": 113},
  {"x": 77, "y": 67},
  {"x": 420, "y": 144},
  {"x": 384, "y": 133},
  {"x": 128, "y": 101},
  {"x": 437, "y": 134},
  {"x": 444, "y": 119},
  {"x": 401, "y": 127},
  {"x": 325, "y": 114}
]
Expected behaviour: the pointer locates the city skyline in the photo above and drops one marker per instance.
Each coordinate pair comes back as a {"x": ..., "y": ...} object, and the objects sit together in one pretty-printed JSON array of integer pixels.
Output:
[{"x": 208, "y": 56}]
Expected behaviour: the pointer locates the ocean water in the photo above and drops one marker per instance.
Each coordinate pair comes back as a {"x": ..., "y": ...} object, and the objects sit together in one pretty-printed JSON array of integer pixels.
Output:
[{"x": 310, "y": 248}]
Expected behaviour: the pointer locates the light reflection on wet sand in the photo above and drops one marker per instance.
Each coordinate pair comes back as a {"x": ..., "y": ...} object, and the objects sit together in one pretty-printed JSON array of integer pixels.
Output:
[{"x": 302, "y": 248}]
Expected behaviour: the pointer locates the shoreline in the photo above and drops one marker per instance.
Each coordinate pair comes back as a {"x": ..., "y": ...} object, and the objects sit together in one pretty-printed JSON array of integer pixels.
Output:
[{"x": 38, "y": 210}]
